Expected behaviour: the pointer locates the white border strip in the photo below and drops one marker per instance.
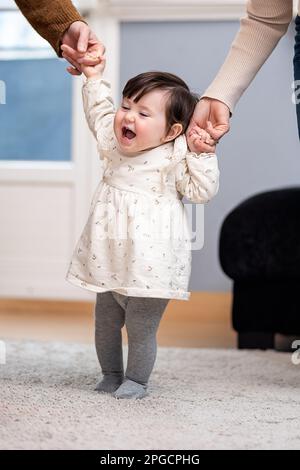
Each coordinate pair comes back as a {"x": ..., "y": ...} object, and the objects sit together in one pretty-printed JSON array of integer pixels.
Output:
[
  {"x": 161, "y": 10},
  {"x": 170, "y": 10}
]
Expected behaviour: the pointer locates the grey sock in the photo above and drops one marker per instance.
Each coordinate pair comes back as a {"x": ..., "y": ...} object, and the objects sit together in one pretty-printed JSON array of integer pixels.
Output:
[
  {"x": 109, "y": 383},
  {"x": 131, "y": 389}
]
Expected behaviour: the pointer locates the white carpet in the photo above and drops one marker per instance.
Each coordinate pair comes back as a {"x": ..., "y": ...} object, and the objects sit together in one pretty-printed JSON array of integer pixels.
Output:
[{"x": 199, "y": 399}]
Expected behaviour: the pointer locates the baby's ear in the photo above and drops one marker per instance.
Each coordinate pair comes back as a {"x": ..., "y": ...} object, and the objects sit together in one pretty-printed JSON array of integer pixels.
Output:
[{"x": 174, "y": 132}]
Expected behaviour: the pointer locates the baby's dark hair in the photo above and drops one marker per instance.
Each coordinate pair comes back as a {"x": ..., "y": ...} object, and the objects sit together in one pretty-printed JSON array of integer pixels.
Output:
[{"x": 181, "y": 102}]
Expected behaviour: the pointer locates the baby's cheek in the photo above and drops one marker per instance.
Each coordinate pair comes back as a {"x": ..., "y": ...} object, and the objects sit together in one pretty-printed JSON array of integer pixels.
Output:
[
  {"x": 142, "y": 131},
  {"x": 116, "y": 122},
  {"x": 153, "y": 129}
]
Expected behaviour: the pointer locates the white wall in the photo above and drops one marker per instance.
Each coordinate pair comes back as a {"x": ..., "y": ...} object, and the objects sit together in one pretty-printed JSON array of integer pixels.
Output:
[{"x": 262, "y": 150}]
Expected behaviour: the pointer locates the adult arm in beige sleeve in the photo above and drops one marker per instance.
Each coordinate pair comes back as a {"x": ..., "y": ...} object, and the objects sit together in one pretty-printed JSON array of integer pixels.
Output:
[
  {"x": 260, "y": 31},
  {"x": 50, "y": 18}
]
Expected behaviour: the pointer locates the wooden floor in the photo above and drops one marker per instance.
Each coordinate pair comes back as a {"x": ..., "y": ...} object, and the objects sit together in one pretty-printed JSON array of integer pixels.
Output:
[{"x": 203, "y": 321}]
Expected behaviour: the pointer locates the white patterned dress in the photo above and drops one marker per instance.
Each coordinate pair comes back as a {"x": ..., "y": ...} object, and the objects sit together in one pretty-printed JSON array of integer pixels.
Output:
[{"x": 136, "y": 240}]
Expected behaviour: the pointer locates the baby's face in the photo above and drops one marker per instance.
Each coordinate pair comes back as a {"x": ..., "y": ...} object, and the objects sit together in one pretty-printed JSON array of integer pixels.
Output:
[{"x": 142, "y": 125}]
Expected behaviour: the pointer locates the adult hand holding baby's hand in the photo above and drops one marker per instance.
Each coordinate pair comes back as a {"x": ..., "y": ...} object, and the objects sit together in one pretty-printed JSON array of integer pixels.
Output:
[
  {"x": 81, "y": 38},
  {"x": 91, "y": 63},
  {"x": 196, "y": 137},
  {"x": 210, "y": 117}
]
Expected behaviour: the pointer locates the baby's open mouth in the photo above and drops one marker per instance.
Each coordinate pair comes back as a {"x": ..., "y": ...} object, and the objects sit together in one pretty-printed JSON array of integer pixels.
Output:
[{"x": 128, "y": 133}]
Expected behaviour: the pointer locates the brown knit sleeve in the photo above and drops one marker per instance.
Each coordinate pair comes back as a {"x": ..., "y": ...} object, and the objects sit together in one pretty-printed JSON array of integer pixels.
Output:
[{"x": 50, "y": 18}]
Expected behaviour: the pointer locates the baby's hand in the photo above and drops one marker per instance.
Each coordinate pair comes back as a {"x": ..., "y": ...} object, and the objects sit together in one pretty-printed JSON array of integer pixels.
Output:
[
  {"x": 76, "y": 59},
  {"x": 197, "y": 134}
]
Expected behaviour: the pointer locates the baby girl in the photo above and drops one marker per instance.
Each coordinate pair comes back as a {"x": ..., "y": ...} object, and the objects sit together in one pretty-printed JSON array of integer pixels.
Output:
[{"x": 135, "y": 249}]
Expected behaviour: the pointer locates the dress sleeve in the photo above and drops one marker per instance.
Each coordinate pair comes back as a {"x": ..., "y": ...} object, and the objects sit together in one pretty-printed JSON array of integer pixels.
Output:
[
  {"x": 99, "y": 112},
  {"x": 197, "y": 177},
  {"x": 260, "y": 30},
  {"x": 50, "y": 18}
]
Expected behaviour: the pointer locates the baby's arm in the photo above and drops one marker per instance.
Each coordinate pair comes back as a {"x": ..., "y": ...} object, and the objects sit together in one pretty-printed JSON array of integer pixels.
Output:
[
  {"x": 97, "y": 102},
  {"x": 197, "y": 177},
  {"x": 99, "y": 110}
]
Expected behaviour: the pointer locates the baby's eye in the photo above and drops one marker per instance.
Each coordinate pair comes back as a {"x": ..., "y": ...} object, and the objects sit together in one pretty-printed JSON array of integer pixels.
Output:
[
  {"x": 124, "y": 107},
  {"x": 144, "y": 115}
]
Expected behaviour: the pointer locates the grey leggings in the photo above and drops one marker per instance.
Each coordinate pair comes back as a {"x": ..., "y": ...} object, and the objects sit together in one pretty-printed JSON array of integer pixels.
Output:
[{"x": 142, "y": 316}]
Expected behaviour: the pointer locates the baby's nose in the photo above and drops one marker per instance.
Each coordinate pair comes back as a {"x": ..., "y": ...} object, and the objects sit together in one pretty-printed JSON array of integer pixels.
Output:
[{"x": 130, "y": 117}]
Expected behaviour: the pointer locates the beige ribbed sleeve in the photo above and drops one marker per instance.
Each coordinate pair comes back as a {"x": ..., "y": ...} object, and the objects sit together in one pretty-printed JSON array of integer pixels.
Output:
[
  {"x": 266, "y": 22},
  {"x": 50, "y": 18}
]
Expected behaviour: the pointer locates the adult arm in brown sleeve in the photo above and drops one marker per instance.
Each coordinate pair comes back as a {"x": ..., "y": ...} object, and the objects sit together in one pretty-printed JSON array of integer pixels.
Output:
[{"x": 50, "y": 18}]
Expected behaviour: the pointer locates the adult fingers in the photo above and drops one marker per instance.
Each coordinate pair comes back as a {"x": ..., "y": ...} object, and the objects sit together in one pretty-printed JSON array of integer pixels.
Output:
[
  {"x": 93, "y": 56},
  {"x": 202, "y": 147},
  {"x": 83, "y": 39},
  {"x": 199, "y": 145},
  {"x": 209, "y": 141},
  {"x": 70, "y": 52},
  {"x": 89, "y": 59},
  {"x": 73, "y": 71},
  {"x": 217, "y": 131},
  {"x": 201, "y": 134},
  {"x": 200, "y": 115},
  {"x": 72, "y": 62}
]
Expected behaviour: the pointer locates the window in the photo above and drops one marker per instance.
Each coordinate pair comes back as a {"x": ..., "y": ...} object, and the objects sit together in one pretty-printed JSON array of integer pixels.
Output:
[{"x": 35, "y": 121}]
